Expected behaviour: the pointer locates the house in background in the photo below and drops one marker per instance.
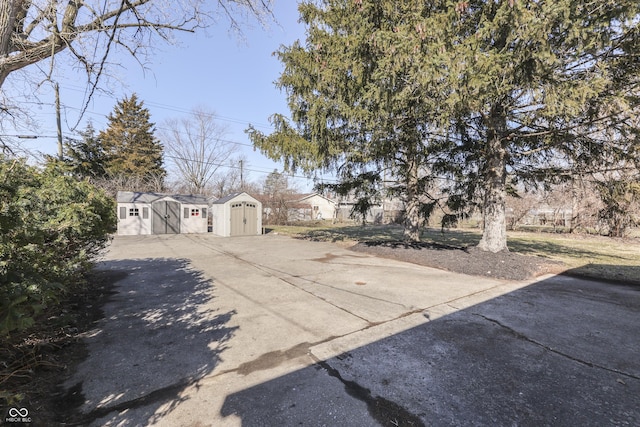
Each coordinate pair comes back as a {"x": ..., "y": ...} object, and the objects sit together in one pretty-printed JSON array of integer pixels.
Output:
[
  {"x": 346, "y": 213},
  {"x": 313, "y": 207},
  {"x": 237, "y": 214},
  {"x": 291, "y": 208},
  {"x": 157, "y": 213},
  {"x": 386, "y": 210}
]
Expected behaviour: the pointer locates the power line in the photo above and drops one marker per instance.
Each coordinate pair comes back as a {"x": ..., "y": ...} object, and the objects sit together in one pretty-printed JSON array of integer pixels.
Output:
[
  {"x": 240, "y": 167},
  {"x": 23, "y": 136},
  {"x": 214, "y": 116},
  {"x": 177, "y": 109},
  {"x": 169, "y": 108}
]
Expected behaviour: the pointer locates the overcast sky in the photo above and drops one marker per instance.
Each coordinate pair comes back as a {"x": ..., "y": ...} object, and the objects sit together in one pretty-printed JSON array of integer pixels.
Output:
[{"x": 221, "y": 71}]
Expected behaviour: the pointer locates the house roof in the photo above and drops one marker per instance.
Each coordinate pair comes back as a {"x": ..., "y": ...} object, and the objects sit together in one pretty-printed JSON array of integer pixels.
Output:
[
  {"x": 294, "y": 197},
  {"x": 136, "y": 197},
  {"x": 308, "y": 196}
]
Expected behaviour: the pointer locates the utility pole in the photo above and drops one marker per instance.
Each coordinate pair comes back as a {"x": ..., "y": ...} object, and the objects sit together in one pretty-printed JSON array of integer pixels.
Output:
[
  {"x": 58, "y": 125},
  {"x": 241, "y": 176}
]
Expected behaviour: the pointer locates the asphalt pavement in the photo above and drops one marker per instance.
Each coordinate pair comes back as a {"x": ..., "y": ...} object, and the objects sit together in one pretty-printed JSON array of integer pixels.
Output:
[{"x": 274, "y": 331}]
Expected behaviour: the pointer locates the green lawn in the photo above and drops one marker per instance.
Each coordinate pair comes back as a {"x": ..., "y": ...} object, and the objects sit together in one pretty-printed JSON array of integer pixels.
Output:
[{"x": 592, "y": 256}]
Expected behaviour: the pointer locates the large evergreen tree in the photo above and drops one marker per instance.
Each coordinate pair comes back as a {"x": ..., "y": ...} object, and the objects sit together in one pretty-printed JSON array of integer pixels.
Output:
[
  {"x": 531, "y": 86},
  {"x": 474, "y": 89},
  {"x": 130, "y": 144},
  {"x": 353, "y": 93}
]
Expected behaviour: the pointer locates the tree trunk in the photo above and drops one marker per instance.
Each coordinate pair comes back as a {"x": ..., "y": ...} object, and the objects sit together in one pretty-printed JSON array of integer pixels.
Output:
[
  {"x": 12, "y": 16},
  {"x": 412, "y": 220},
  {"x": 412, "y": 207},
  {"x": 494, "y": 234},
  {"x": 573, "y": 220},
  {"x": 8, "y": 12}
]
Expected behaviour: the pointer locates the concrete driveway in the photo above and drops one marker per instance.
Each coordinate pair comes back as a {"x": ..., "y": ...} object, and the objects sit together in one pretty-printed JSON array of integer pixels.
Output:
[{"x": 275, "y": 331}]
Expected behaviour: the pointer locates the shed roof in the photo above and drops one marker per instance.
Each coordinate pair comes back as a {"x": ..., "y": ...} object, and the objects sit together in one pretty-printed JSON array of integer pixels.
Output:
[
  {"x": 225, "y": 199},
  {"x": 137, "y": 197},
  {"x": 191, "y": 199}
]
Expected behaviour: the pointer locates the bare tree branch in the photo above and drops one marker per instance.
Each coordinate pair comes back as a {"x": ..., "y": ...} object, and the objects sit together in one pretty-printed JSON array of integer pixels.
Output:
[
  {"x": 32, "y": 31},
  {"x": 196, "y": 146}
]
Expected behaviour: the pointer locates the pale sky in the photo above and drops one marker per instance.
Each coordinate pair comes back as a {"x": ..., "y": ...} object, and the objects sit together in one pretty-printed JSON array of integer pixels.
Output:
[{"x": 220, "y": 71}]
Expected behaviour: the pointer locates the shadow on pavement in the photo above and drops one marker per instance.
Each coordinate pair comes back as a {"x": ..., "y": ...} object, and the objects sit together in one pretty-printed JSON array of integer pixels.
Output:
[
  {"x": 619, "y": 274},
  {"x": 158, "y": 337},
  {"x": 562, "y": 351},
  {"x": 395, "y": 244}
]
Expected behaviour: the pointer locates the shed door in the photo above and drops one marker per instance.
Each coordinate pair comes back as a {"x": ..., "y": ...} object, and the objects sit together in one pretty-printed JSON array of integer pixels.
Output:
[
  {"x": 251, "y": 216},
  {"x": 166, "y": 217},
  {"x": 244, "y": 219}
]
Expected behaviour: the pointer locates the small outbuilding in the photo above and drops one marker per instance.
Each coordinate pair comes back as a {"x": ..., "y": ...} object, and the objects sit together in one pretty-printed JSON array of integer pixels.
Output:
[
  {"x": 237, "y": 214},
  {"x": 157, "y": 213}
]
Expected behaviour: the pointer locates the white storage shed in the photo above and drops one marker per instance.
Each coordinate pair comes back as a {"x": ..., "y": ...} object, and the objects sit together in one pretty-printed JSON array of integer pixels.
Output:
[
  {"x": 157, "y": 213},
  {"x": 237, "y": 214}
]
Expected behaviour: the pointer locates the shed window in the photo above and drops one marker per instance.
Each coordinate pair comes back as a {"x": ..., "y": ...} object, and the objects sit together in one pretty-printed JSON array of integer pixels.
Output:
[
  {"x": 145, "y": 213},
  {"x": 123, "y": 212},
  {"x": 134, "y": 212},
  {"x": 204, "y": 212},
  {"x": 195, "y": 212},
  {"x": 185, "y": 213}
]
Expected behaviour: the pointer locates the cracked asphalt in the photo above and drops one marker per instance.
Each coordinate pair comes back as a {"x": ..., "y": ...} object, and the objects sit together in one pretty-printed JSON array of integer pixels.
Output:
[{"x": 268, "y": 330}]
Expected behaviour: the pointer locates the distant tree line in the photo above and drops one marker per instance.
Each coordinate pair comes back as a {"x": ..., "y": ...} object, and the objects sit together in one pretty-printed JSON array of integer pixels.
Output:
[{"x": 592, "y": 204}]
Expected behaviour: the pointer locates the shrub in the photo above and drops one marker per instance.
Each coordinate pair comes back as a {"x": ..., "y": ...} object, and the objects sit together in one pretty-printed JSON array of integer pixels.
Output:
[{"x": 52, "y": 226}]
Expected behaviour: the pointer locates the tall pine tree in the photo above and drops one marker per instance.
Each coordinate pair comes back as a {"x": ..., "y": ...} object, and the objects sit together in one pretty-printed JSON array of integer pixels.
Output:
[
  {"x": 356, "y": 104},
  {"x": 129, "y": 142},
  {"x": 531, "y": 86}
]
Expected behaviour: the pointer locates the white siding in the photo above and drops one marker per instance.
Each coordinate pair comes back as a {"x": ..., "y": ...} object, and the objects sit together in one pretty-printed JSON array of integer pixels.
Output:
[
  {"x": 221, "y": 217},
  {"x": 321, "y": 207},
  {"x": 193, "y": 224},
  {"x": 131, "y": 224}
]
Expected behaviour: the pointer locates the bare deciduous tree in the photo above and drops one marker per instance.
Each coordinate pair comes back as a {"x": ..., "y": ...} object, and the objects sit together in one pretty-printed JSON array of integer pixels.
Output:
[
  {"x": 519, "y": 206},
  {"x": 225, "y": 183},
  {"x": 232, "y": 179},
  {"x": 195, "y": 145},
  {"x": 277, "y": 198}
]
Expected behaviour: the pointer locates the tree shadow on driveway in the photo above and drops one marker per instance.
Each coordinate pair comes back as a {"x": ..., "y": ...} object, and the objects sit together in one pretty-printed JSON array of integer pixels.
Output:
[{"x": 160, "y": 334}]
